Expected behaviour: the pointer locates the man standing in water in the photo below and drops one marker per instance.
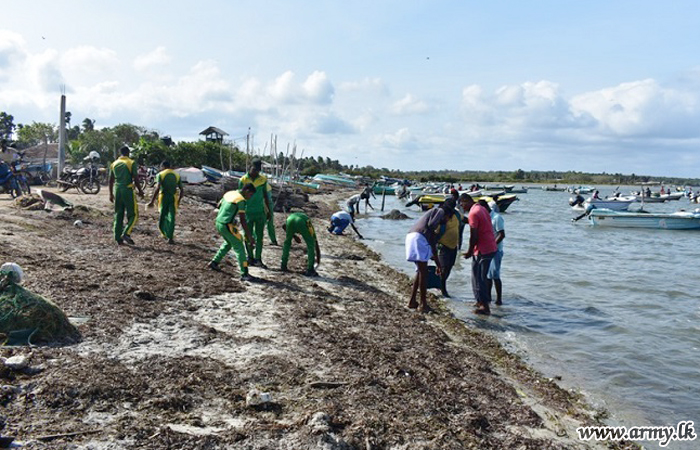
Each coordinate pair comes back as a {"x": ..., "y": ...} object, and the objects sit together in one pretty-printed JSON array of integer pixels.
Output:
[
  {"x": 448, "y": 245},
  {"x": 494, "y": 274},
  {"x": 123, "y": 176},
  {"x": 482, "y": 248},
  {"x": 420, "y": 248},
  {"x": 168, "y": 183},
  {"x": 255, "y": 211},
  {"x": 232, "y": 205},
  {"x": 300, "y": 224}
]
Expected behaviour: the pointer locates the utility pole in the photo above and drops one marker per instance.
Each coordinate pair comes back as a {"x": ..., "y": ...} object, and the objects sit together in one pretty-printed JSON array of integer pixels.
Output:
[{"x": 62, "y": 134}]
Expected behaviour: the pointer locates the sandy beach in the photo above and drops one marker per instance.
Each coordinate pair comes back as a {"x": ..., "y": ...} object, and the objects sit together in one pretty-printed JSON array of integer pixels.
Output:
[{"x": 170, "y": 349}]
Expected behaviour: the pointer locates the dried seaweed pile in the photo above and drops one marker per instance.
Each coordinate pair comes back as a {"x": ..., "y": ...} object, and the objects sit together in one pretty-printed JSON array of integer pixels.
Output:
[{"x": 30, "y": 202}]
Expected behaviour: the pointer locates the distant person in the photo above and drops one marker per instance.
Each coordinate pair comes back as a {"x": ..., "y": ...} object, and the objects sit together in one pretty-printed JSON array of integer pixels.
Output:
[
  {"x": 367, "y": 192},
  {"x": 123, "y": 177},
  {"x": 168, "y": 183},
  {"x": 494, "y": 273},
  {"x": 340, "y": 221},
  {"x": 231, "y": 208},
  {"x": 482, "y": 248},
  {"x": 421, "y": 243},
  {"x": 448, "y": 245},
  {"x": 595, "y": 195},
  {"x": 270, "y": 222},
  {"x": 257, "y": 210},
  {"x": 299, "y": 224},
  {"x": 353, "y": 204},
  {"x": 662, "y": 191},
  {"x": 647, "y": 193}
]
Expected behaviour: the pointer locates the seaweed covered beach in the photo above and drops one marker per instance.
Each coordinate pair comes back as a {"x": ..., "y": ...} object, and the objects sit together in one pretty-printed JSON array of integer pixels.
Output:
[{"x": 170, "y": 351}]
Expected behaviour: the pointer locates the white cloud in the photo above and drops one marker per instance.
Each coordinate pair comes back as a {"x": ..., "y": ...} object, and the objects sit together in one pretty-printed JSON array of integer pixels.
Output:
[
  {"x": 283, "y": 89},
  {"x": 155, "y": 59},
  {"x": 12, "y": 52},
  {"x": 318, "y": 88},
  {"x": 409, "y": 104},
  {"x": 44, "y": 69},
  {"x": 401, "y": 139}
]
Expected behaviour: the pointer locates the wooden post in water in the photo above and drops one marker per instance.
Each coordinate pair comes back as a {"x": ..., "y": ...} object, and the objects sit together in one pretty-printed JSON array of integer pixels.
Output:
[{"x": 383, "y": 196}]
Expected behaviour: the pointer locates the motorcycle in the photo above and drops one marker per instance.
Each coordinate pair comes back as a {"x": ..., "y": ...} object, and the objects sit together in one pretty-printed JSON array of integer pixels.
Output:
[
  {"x": 10, "y": 182},
  {"x": 85, "y": 179},
  {"x": 147, "y": 177}
]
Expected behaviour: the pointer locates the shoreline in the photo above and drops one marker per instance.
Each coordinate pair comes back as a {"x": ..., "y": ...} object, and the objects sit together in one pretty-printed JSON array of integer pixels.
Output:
[{"x": 346, "y": 364}]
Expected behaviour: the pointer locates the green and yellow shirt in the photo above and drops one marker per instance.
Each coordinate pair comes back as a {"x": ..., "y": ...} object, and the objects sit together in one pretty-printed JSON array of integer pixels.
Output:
[
  {"x": 255, "y": 204},
  {"x": 169, "y": 181},
  {"x": 124, "y": 171},
  {"x": 232, "y": 203}
]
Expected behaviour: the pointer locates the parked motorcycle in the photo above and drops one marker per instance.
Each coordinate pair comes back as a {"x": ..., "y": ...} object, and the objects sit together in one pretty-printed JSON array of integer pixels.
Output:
[
  {"x": 85, "y": 179},
  {"x": 10, "y": 183},
  {"x": 147, "y": 177}
]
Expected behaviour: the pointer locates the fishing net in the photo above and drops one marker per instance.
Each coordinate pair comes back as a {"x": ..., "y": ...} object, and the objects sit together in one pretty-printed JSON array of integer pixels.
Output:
[{"x": 28, "y": 317}]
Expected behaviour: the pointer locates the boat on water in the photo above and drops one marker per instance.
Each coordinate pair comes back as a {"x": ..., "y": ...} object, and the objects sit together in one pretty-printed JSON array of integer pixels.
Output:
[
  {"x": 381, "y": 188},
  {"x": 613, "y": 203},
  {"x": 428, "y": 201},
  {"x": 581, "y": 189},
  {"x": 681, "y": 220},
  {"x": 553, "y": 188},
  {"x": 336, "y": 180}
]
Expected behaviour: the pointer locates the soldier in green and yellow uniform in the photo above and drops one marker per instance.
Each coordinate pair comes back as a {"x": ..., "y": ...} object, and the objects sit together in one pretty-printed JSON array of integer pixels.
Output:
[
  {"x": 167, "y": 184},
  {"x": 255, "y": 212},
  {"x": 232, "y": 205},
  {"x": 300, "y": 224},
  {"x": 123, "y": 176},
  {"x": 271, "y": 218}
]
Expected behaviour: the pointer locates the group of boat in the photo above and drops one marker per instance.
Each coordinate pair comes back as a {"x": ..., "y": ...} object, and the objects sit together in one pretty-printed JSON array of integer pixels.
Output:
[{"x": 614, "y": 211}]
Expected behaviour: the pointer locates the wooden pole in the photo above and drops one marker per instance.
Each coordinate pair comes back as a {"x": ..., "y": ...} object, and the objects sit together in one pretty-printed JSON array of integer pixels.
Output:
[{"x": 383, "y": 196}]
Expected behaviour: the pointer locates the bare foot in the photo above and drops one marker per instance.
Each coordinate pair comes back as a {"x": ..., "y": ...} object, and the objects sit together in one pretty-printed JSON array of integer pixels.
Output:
[
  {"x": 425, "y": 309},
  {"x": 412, "y": 305},
  {"x": 499, "y": 303},
  {"x": 483, "y": 310}
]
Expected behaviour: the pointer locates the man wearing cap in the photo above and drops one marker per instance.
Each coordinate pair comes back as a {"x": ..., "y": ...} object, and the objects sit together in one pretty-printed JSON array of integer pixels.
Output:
[
  {"x": 482, "y": 248},
  {"x": 494, "y": 274},
  {"x": 255, "y": 210},
  {"x": 123, "y": 176}
]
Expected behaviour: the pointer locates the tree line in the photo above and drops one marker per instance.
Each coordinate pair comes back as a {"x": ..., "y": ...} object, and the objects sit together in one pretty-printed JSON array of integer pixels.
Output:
[{"x": 149, "y": 147}]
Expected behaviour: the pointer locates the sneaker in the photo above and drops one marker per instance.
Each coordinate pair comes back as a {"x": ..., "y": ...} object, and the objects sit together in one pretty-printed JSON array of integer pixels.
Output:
[
  {"x": 259, "y": 263},
  {"x": 120, "y": 242},
  {"x": 128, "y": 239},
  {"x": 213, "y": 265},
  {"x": 252, "y": 262},
  {"x": 311, "y": 273},
  {"x": 248, "y": 277},
  {"x": 274, "y": 243}
]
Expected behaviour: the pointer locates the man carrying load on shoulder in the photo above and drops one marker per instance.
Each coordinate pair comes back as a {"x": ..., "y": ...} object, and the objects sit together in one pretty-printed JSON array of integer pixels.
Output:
[
  {"x": 255, "y": 210},
  {"x": 233, "y": 205},
  {"x": 123, "y": 176},
  {"x": 300, "y": 224},
  {"x": 168, "y": 183}
]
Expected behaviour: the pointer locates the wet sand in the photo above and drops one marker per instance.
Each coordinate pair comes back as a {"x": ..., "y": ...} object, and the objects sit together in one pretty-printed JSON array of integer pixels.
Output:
[{"x": 171, "y": 349}]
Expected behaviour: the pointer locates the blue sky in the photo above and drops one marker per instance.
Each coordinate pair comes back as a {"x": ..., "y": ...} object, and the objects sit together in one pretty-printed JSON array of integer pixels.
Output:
[{"x": 595, "y": 86}]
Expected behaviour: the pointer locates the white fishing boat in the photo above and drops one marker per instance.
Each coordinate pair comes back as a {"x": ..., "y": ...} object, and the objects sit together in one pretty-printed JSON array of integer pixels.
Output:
[{"x": 681, "y": 220}]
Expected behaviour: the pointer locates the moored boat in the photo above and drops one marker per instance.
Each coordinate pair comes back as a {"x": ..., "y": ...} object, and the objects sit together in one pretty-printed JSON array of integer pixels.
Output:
[{"x": 682, "y": 220}]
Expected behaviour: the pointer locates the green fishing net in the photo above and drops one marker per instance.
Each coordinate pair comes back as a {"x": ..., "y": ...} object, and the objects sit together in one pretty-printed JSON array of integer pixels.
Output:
[{"x": 28, "y": 317}]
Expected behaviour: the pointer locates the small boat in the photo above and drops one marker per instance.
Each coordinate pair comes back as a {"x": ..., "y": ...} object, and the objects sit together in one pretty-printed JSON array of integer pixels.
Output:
[
  {"x": 553, "y": 188},
  {"x": 427, "y": 202},
  {"x": 614, "y": 203},
  {"x": 381, "y": 188},
  {"x": 309, "y": 188},
  {"x": 334, "y": 180},
  {"x": 212, "y": 174},
  {"x": 681, "y": 220}
]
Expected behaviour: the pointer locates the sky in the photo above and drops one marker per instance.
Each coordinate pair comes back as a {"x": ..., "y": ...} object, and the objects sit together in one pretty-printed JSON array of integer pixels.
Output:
[{"x": 593, "y": 86}]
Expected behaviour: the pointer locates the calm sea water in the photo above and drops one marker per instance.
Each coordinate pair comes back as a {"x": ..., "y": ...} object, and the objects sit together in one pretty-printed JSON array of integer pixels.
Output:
[{"x": 614, "y": 312}]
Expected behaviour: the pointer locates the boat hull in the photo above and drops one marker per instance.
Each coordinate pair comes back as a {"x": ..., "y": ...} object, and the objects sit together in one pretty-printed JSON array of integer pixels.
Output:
[{"x": 674, "y": 221}]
